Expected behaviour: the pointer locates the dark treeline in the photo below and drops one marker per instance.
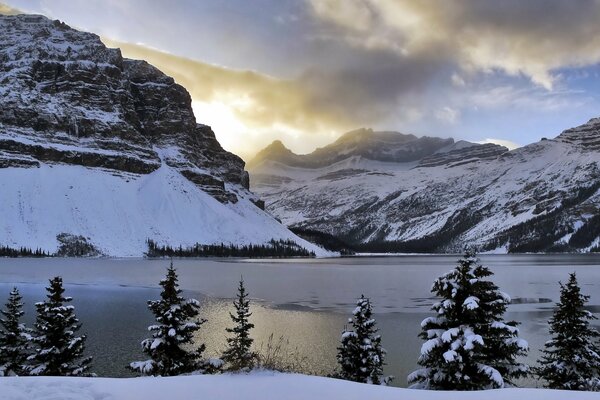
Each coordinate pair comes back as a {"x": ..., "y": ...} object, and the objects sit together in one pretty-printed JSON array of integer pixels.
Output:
[
  {"x": 588, "y": 232},
  {"x": 539, "y": 234},
  {"x": 325, "y": 240},
  {"x": 6, "y": 251},
  {"x": 542, "y": 233},
  {"x": 275, "y": 248},
  {"x": 442, "y": 241}
]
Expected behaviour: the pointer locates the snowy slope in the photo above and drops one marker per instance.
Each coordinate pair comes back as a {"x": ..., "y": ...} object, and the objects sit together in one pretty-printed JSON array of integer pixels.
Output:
[
  {"x": 254, "y": 386},
  {"x": 528, "y": 199},
  {"x": 120, "y": 211}
]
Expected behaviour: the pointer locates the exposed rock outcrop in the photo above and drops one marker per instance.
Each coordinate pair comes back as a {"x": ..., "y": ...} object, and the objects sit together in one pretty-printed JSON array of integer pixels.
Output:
[{"x": 66, "y": 98}]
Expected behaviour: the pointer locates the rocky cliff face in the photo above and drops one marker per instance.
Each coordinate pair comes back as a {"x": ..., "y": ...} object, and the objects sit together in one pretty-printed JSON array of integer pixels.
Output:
[
  {"x": 107, "y": 149},
  {"x": 66, "y": 98},
  {"x": 541, "y": 197}
]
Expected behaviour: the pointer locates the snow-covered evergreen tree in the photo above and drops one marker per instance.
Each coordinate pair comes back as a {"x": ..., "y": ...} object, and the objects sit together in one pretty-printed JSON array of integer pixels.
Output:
[
  {"x": 360, "y": 355},
  {"x": 571, "y": 359},
  {"x": 170, "y": 347},
  {"x": 468, "y": 345},
  {"x": 239, "y": 356},
  {"x": 14, "y": 338},
  {"x": 57, "y": 351}
]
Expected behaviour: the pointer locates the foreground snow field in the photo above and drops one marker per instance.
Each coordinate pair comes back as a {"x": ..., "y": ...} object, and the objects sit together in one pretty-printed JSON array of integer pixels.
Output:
[{"x": 255, "y": 386}]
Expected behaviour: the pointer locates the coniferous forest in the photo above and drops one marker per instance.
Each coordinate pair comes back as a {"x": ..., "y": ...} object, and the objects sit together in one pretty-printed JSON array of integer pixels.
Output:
[{"x": 274, "y": 249}]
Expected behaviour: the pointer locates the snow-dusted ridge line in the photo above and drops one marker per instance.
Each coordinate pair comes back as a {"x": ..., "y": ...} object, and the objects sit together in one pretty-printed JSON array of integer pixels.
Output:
[
  {"x": 477, "y": 195},
  {"x": 264, "y": 385}
]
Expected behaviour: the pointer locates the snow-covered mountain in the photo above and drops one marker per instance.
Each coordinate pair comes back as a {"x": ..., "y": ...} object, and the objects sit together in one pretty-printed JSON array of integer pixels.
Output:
[
  {"x": 96, "y": 145},
  {"x": 394, "y": 192}
]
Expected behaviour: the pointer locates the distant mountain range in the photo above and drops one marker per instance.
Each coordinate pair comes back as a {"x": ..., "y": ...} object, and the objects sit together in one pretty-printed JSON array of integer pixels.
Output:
[
  {"x": 106, "y": 149},
  {"x": 386, "y": 191}
]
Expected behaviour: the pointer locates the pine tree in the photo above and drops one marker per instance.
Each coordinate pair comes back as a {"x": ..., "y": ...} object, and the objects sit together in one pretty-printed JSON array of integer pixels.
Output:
[
  {"x": 571, "y": 359},
  {"x": 239, "y": 355},
  {"x": 169, "y": 347},
  {"x": 14, "y": 338},
  {"x": 468, "y": 345},
  {"x": 57, "y": 351},
  {"x": 360, "y": 355}
]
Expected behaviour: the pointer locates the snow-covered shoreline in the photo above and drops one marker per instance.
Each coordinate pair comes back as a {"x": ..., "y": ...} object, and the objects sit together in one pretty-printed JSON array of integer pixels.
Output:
[{"x": 263, "y": 385}]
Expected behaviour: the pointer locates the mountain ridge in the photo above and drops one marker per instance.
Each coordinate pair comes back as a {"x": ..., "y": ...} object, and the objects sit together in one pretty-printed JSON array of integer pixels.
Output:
[
  {"x": 384, "y": 146},
  {"x": 79, "y": 121},
  {"x": 540, "y": 197}
]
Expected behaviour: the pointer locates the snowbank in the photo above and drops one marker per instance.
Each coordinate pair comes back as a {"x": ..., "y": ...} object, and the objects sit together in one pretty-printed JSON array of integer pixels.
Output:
[{"x": 255, "y": 386}]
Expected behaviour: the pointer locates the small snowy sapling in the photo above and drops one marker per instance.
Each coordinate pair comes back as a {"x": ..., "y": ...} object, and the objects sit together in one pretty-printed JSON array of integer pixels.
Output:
[
  {"x": 14, "y": 338},
  {"x": 170, "y": 347},
  {"x": 571, "y": 358},
  {"x": 57, "y": 351},
  {"x": 239, "y": 356},
  {"x": 360, "y": 355},
  {"x": 468, "y": 345}
]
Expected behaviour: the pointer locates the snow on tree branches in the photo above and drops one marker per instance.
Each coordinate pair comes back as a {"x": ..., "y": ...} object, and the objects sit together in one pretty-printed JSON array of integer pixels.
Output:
[
  {"x": 468, "y": 345},
  {"x": 238, "y": 355},
  {"x": 57, "y": 351},
  {"x": 14, "y": 338},
  {"x": 360, "y": 355},
  {"x": 172, "y": 336},
  {"x": 571, "y": 359}
]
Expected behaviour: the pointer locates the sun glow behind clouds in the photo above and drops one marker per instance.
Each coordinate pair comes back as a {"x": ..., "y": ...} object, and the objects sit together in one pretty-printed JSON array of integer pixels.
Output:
[
  {"x": 235, "y": 135},
  {"x": 228, "y": 129}
]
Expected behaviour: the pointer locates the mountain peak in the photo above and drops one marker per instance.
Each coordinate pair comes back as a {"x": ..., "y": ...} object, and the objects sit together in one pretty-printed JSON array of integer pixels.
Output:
[
  {"x": 586, "y": 135},
  {"x": 364, "y": 135},
  {"x": 111, "y": 145},
  {"x": 363, "y": 143},
  {"x": 67, "y": 98},
  {"x": 276, "y": 151},
  {"x": 276, "y": 145},
  {"x": 356, "y": 134}
]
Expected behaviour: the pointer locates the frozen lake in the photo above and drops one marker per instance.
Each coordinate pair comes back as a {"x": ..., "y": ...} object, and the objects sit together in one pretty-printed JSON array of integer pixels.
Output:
[{"x": 305, "y": 301}]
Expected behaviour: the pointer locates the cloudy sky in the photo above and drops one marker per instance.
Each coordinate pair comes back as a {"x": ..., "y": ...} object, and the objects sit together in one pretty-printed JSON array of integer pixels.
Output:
[{"x": 305, "y": 71}]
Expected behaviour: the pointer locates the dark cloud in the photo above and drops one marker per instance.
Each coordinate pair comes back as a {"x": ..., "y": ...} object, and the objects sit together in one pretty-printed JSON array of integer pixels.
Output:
[
  {"x": 533, "y": 37},
  {"x": 316, "y": 68}
]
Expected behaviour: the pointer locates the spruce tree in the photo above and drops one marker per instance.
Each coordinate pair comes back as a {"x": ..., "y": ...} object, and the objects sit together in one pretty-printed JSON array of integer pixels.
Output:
[
  {"x": 239, "y": 356},
  {"x": 57, "y": 351},
  {"x": 14, "y": 338},
  {"x": 169, "y": 348},
  {"x": 468, "y": 345},
  {"x": 360, "y": 355},
  {"x": 571, "y": 359}
]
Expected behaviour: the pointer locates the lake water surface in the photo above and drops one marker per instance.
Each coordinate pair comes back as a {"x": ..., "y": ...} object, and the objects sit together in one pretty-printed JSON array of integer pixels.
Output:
[{"x": 307, "y": 302}]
